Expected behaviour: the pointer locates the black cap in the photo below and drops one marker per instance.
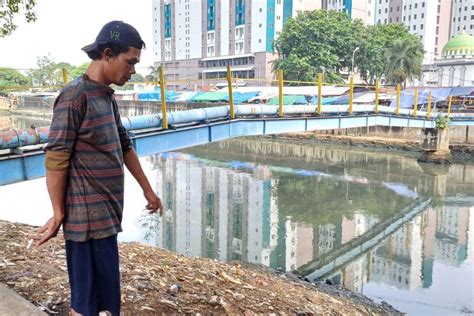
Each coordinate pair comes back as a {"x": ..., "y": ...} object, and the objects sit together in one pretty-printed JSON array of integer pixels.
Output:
[{"x": 117, "y": 32}]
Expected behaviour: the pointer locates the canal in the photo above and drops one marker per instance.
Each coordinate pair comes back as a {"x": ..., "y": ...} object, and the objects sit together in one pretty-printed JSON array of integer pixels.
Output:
[{"x": 374, "y": 222}]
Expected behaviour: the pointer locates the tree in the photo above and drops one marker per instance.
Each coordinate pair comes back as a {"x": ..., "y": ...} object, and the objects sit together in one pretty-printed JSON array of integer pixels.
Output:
[
  {"x": 404, "y": 60},
  {"x": 11, "y": 8},
  {"x": 375, "y": 47},
  {"x": 79, "y": 70},
  {"x": 49, "y": 73},
  {"x": 153, "y": 74},
  {"x": 317, "y": 40},
  {"x": 11, "y": 78}
]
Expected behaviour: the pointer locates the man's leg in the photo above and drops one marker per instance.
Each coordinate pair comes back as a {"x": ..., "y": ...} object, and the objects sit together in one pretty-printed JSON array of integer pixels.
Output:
[
  {"x": 107, "y": 274},
  {"x": 81, "y": 277}
]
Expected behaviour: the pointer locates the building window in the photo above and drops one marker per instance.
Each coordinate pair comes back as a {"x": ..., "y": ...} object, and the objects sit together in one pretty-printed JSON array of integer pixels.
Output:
[
  {"x": 239, "y": 12},
  {"x": 421, "y": 26},
  {"x": 167, "y": 15}
]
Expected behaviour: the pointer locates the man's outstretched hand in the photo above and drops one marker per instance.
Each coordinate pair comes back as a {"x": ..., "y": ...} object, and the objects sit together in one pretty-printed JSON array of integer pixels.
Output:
[
  {"x": 154, "y": 203},
  {"x": 47, "y": 231}
]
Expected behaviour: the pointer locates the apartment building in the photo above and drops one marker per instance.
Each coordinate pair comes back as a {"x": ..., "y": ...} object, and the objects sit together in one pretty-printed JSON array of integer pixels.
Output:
[
  {"x": 462, "y": 17},
  {"x": 356, "y": 9},
  {"x": 428, "y": 19},
  {"x": 196, "y": 39}
]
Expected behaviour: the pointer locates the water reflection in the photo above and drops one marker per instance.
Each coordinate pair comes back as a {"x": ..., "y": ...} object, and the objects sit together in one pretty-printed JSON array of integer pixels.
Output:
[
  {"x": 362, "y": 220},
  {"x": 8, "y": 122},
  {"x": 376, "y": 223}
]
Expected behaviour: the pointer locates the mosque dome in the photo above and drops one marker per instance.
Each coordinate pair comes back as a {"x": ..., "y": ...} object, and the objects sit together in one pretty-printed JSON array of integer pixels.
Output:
[{"x": 460, "y": 46}]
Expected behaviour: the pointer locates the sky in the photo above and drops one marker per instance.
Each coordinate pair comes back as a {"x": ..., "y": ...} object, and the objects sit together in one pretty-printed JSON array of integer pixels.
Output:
[{"x": 63, "y": 27}]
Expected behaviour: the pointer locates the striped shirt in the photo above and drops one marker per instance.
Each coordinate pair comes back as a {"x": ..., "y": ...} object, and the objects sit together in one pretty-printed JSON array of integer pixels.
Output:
[{"x": 86, "y": 127}]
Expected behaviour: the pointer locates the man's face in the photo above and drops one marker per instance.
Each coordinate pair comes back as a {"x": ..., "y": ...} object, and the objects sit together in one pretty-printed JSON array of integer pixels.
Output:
[{"x": 120, "y": 68}]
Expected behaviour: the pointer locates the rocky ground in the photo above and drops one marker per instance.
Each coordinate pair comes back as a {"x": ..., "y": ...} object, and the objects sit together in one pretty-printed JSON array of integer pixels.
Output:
[{"x": 158, "y": 281}]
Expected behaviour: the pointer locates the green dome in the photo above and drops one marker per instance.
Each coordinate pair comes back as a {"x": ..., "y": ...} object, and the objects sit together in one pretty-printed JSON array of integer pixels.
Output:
[{"x": 460, "y": 45}]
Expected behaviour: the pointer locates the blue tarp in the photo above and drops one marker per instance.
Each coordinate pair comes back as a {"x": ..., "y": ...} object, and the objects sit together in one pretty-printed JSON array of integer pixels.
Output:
[
  {"x": 240, "y": 97},
  {"x": 324, "y": 101},
  {"x": 344, "y": 99},
  {"x": 462, "y": 91},
  {"x": 155, "y": 95},
  {"x": 407, "y": 97},
  {"x": 437, "y": 95}
]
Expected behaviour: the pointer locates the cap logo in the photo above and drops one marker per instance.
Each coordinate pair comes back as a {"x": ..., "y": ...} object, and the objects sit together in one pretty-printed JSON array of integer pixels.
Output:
[{"x": 114, "y": 35}]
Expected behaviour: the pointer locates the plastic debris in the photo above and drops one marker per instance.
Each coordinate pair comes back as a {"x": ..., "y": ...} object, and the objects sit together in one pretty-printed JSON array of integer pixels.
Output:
[{"x": 157, "y": 281}]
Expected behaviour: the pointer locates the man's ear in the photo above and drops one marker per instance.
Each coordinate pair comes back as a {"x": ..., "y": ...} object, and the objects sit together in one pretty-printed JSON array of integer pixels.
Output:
[{"x": 107, "y": 53}]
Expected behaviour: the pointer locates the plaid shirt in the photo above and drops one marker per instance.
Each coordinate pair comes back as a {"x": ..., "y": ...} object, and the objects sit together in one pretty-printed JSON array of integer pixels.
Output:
[{"x": 86, "y": 127}]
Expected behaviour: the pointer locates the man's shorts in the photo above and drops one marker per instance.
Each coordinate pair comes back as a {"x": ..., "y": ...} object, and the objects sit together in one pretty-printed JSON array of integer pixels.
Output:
[{"x": 94, "y": 276}]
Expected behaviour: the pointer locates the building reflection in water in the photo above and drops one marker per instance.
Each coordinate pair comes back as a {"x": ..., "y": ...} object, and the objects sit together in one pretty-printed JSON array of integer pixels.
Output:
[{"x": 233, "y": 211}]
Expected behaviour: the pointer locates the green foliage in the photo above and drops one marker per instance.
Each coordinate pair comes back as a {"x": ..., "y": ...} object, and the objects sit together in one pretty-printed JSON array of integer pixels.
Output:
[
  {"x": 404, "y": 59},
  {"x": 375, "y": 47},
  {"x": 316, "y": 41},
  {"x": 442, "y": 121},
  {"x": 78, "y": 71},
  {"x": 10, "y": 78},
  {"x": 324, "y": 41},
  {"x": 137, "y": 78},
  {"x": 9, "y": 9},
  {"x": 49, "y": 73},
  {"x": 153, "y": 74}
]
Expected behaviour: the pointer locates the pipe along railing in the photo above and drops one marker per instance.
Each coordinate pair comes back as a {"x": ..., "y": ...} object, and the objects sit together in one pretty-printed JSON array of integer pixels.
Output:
[
  {"x": 25, "y": 137},
  {"x": 39, "y": 135}
]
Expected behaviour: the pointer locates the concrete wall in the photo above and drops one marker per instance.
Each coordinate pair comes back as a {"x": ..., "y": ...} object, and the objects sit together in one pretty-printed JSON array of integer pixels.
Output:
[{"x": 457, "y": 134}]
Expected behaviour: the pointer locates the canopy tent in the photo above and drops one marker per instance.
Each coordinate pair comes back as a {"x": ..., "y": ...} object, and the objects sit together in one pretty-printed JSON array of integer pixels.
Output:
[
  {"x": 239, "y": 97},
  {"x": 437, "y": 95},
  {"x": 288, "y": 100},
  {"x": 155, "y": 95}
]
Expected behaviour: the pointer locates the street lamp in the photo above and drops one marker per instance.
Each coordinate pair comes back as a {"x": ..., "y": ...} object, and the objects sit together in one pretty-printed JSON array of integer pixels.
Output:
[{"x": 353, "y": 55}]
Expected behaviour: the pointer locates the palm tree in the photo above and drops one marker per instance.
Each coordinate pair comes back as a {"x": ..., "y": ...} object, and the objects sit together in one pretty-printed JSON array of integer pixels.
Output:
[
  {"x": 153, "y": 74},
  {"x": 404, "y": 60}
]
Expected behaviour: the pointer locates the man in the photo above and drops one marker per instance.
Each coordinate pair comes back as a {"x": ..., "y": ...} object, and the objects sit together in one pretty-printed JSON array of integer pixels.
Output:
[{"x": 86, "y": 150}]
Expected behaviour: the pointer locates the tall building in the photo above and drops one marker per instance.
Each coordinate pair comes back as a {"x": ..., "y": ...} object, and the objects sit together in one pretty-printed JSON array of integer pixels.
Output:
[
  {"x": 356, "y": 9},
  {"x": 196, "y": 39},
  {"x": 429, "y": 20},
  {"x": 462, "y": 17}
]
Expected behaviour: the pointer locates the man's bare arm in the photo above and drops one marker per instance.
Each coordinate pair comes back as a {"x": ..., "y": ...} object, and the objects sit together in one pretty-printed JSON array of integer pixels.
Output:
[
  {"x": 133, "y": 165},
  {"x": 56, "y": 181}
]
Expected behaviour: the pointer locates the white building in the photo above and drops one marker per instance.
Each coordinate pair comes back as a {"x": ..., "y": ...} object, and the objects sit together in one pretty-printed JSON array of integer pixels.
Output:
[
  {"x": 462, "y": 17},
  {"x": 356, "y": 9},
  {"x": 196, "y": 39},
  {"x": 456, "y": 65},
  {"x": 429, "y": 20}
]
